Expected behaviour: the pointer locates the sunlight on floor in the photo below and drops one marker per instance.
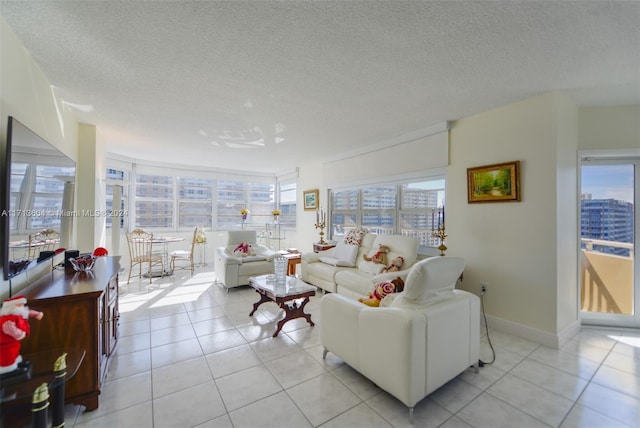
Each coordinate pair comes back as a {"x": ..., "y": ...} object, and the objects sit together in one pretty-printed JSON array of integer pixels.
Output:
[
  {"x": 162, "y": 294},
  {"x": 182, "y": 295},
  {"x": 627, "y": 340},
  {"x": 133, "y": 301}
]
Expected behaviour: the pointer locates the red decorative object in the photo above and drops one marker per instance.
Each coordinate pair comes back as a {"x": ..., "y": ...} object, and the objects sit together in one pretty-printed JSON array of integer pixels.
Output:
[{"x": 100, "y": 251}]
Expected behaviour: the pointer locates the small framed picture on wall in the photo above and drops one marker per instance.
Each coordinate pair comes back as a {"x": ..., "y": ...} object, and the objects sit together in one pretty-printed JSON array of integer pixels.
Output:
[{"x": 310, "y": 198}]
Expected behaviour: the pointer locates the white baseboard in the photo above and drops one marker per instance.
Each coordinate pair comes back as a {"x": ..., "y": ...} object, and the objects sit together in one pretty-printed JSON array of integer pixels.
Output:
[{"x": 533, "y": 334}]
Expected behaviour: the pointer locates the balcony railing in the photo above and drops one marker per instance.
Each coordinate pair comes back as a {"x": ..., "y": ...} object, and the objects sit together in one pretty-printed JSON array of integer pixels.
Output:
[{"x": 606, "y": 280}]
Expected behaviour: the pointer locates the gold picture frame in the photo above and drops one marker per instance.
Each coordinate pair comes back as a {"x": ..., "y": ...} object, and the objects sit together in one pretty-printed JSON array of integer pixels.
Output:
[
  {"x": 494, "y": 183},
  {"x": 310, "y": 199}
]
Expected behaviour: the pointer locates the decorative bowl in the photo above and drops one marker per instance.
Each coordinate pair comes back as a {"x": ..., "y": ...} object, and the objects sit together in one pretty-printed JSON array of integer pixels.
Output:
[{"x": 83, "y": 263}]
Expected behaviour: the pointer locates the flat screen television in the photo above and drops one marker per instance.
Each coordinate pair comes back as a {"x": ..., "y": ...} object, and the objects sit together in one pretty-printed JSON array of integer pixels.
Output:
[{"x": 35, "y": 182}]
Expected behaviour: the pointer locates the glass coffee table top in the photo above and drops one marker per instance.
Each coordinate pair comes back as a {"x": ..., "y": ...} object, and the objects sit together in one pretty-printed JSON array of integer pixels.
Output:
[{"x": 291, "y": 287}]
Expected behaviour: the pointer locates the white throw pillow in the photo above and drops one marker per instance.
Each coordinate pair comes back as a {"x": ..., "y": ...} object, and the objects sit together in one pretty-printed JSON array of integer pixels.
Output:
[{"x": 346, "y": 254}]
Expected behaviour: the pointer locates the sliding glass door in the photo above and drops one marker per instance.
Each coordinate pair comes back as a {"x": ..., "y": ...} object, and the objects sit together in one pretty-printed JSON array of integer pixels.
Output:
[{"x": 609, "y": 290}]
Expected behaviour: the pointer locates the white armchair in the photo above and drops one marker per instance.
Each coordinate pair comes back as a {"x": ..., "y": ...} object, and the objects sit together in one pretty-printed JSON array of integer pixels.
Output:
[
  {"x": 424, "y": 337},
  {"x": 233, "y": 270}
]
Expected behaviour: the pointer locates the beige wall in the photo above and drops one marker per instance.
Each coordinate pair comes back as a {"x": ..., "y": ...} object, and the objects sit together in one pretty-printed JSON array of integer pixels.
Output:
[
  {"x": 514, "y": 246},
  {"x": 615, "y": 127}
]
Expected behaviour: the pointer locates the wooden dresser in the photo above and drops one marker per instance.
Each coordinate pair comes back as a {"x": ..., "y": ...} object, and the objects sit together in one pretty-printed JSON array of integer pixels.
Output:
[{"x": 80, "y": 311}]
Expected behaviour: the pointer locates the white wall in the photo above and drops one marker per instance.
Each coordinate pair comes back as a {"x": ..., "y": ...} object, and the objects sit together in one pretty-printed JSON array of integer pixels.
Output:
[
  {"x": 310, "y": 177},
  {"x": 26, "y": 94}
]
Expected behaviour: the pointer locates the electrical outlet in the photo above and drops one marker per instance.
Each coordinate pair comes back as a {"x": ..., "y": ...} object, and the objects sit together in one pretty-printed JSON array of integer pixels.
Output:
[{"x": 483, "y": 288}]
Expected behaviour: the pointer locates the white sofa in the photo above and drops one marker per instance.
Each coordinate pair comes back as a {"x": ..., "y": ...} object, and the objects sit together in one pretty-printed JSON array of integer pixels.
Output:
[
  {"x": 417, "y": 340},
  {"x": 358, "y": 281},
  {"x": 233, "y": 270}
]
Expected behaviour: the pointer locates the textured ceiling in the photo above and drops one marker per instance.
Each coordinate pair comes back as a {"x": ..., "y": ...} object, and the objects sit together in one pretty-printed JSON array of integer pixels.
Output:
[{"x": 267, "y": 86}]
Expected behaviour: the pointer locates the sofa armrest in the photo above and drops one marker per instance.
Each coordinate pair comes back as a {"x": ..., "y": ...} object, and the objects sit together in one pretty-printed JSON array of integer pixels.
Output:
[
  {"x": 226, "y": 258},
  {"x": 339, "y": 332},
  {"x": 312, "y": 257}
]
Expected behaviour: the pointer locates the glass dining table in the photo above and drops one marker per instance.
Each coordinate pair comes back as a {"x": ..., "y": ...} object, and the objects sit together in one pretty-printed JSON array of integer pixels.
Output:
[{"x": 164, "y": 241}]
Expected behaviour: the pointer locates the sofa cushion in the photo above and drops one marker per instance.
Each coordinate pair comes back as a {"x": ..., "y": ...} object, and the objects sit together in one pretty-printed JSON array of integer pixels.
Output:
[
  {"x": 354, "y": 280},
  {"x": 343, "y": 255},
  {"x": 248, "y": 259},
  {"x": 256, "y": 268},
  {"x": 370, "y": 267}
]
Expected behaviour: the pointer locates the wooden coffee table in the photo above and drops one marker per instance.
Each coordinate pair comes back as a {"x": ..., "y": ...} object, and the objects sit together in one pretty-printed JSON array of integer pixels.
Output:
[{"x": 284, "y": 295}]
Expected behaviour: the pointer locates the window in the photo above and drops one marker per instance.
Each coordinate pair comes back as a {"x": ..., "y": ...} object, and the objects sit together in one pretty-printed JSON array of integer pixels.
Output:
[
  {"x": 18, "y": 174},
  {"x": 288, "y": 205},
  {"x": 231, "y": 199},
  {"x": 116, "y": 177},
  {"x": 417, "y": 205},
  {"x": 404, "y": 209},
  {"x": 195, "y": 203},
  {"x": 154, "y": 201},
  {"x": 258, "y": 198},
  {"x": 179, "y": 199},
  {"x": 47, "y": 195}
]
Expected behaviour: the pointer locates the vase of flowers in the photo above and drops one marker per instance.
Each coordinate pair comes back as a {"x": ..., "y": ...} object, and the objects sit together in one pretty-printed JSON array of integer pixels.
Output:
[
  {"x": 201, "y": 237},
  {"x": 244, "y": 212},
  {"x": 275, "y": 214}
]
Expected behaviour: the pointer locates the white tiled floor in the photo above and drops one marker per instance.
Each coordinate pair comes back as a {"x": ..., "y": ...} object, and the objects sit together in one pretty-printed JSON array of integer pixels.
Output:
[{"x": 190, "y": 356}]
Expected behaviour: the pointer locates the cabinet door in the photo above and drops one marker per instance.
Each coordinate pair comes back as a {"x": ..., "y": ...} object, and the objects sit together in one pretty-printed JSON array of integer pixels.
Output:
[
  {"x": 113, "y": 317},
  {"x": 101, "y": 327}
]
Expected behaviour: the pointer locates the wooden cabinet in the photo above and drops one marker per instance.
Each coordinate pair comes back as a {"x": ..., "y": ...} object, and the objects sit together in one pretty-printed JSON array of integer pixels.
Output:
[{"x": 80, "y": 311}]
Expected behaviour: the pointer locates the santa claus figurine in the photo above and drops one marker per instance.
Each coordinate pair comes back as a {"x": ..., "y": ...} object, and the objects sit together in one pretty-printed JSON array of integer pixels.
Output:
[{"x": 14, "y": 326}]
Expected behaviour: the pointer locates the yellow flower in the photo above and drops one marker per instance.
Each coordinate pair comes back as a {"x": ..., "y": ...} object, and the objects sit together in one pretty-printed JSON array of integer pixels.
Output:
[
  {"x": 275, "y": 212},
  {"x": 244, "y": 211},
  {"x": 201, "y": 237}
]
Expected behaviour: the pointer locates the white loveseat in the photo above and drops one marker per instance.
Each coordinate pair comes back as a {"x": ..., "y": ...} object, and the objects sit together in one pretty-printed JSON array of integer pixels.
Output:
[
  {"x": 233, "y": 270},
  {"x": 358, "y": 280},
  {"x": 424, "y": 337}
]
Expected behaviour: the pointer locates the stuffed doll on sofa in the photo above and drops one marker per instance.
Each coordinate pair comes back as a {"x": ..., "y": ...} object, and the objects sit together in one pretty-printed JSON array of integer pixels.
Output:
[
  {"x": 380, "y": 256},
  {"x": 395, "y": 266},
  {"x": 382, "y": 289},
  {"x": 244, "y": 249}
]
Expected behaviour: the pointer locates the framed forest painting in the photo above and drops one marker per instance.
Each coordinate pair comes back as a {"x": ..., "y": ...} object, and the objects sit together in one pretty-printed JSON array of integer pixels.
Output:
[{"x": 494, "y": 183}]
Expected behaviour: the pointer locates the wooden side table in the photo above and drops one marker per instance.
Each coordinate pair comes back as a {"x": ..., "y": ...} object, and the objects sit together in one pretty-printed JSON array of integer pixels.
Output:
[
  {"x": 294, "y": 259},
  {"x": 317, "y": 247}
]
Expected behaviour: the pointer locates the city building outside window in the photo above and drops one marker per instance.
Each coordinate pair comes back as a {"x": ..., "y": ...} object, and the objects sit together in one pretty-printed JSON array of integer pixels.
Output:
[
  {"x": 404, "y": 209},
  {"x": 116, "y": 177},
  {"x": 154, "y": 203},
  {"x": 195, "y": 202},
  {"x": 287, "y": 216}
]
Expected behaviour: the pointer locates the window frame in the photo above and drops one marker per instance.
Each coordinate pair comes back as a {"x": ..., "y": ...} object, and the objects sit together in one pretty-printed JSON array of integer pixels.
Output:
[{"x": 427, "y": 242}]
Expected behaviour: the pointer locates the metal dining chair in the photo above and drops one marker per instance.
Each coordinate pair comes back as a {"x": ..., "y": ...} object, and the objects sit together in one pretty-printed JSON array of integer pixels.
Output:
[
  {"x": 140, "y": 244},
  {"x": 45, "y": 240},
  {"x": 184, "y": 256}
]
